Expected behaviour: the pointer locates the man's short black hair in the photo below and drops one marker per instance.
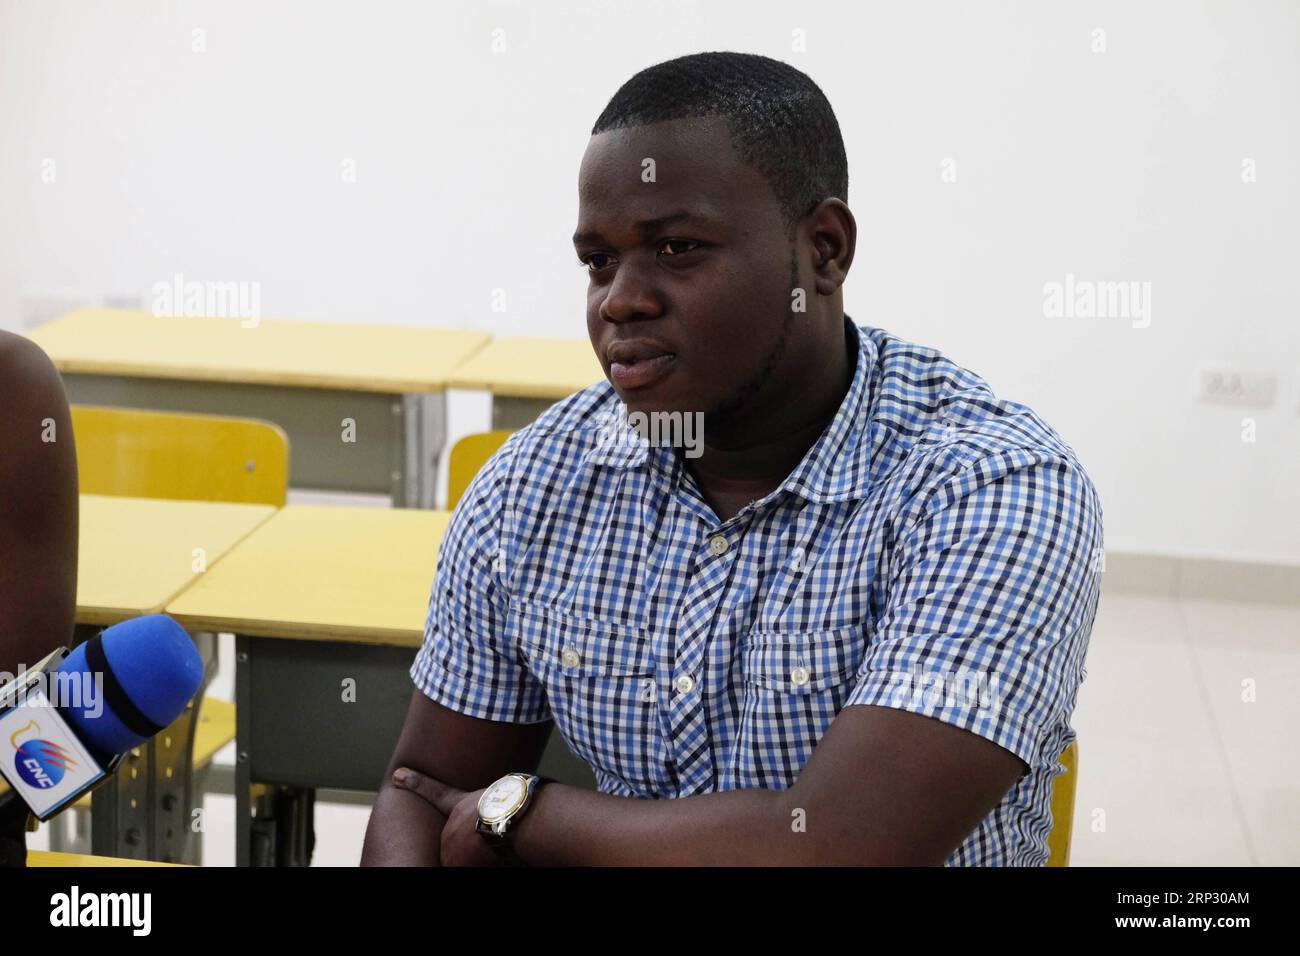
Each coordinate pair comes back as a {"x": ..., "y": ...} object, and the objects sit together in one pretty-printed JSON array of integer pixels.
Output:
[{"x": 781, "y": 122}]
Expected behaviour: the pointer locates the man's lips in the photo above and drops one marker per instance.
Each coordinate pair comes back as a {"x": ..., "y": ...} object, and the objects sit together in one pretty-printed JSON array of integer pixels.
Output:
[
  {"x": 630, "y": 375},
  {"x": 636, "y": 364}
]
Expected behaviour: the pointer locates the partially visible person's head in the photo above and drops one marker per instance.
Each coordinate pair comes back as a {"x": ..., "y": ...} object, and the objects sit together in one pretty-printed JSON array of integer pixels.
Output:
[{"x": 714, "y": 187}]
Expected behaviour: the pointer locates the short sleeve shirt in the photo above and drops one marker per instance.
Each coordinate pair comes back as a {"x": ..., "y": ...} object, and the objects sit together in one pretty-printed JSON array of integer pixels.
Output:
[{"x": 936, "y": 551}]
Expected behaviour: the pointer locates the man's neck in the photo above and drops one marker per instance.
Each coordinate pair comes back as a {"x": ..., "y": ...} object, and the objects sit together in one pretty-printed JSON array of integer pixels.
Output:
[{"x": 735, "y": 471}]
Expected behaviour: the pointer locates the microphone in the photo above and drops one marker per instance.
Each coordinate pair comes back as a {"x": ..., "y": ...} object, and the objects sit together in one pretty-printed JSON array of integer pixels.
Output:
[
  {"x": 151, "y": 671},
  {"x": 66, "y": 724}
]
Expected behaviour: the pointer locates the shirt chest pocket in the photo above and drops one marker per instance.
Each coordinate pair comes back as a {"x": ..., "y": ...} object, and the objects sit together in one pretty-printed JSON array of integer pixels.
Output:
[
  {"x": 600, "y": 683},
  {"x": 806, "y": 663},
  {"x": 795, "y": 682}
]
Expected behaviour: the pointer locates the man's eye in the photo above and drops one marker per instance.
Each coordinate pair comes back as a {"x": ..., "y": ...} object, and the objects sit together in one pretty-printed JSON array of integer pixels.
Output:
[
  {"x": 677, "y": 247},
  {"x": 594, "y": 262}
]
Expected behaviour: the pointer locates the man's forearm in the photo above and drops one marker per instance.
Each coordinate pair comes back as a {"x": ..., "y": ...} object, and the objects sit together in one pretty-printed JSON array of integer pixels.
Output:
[
  {"x": 404, "y": 830},
  {"x": 568, "y": 826}
]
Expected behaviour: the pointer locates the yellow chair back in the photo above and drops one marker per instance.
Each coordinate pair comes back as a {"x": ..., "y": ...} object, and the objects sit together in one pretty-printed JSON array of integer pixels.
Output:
[
  {"x": 467, "y": 456},
  {"x": 1063, "y": 787},
  {"x": 147, "y": 454}
]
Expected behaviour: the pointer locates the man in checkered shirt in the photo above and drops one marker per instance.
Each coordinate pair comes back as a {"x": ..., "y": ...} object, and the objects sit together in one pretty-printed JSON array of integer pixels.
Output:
[{"x": 848, "y": 628}]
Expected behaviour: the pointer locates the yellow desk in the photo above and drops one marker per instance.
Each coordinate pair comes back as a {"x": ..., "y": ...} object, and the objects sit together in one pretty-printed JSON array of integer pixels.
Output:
[
  {"x": 328, "y": 607},
  {"x": 324, "y": 573},
  {"x": 363, "y": 405},
  {"x": 526, "y": 375},
  {"x": 48, "y": 858},
  {"x": 134, "y": 555}
]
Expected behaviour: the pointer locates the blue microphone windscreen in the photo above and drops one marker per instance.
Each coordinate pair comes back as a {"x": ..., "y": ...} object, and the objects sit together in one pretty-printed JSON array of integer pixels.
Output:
[{"x": 158, "y": 670}]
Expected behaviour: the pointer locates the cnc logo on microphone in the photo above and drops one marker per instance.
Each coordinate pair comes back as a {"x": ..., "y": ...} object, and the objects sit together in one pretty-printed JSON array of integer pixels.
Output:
[{"x": 40, "y": 763}]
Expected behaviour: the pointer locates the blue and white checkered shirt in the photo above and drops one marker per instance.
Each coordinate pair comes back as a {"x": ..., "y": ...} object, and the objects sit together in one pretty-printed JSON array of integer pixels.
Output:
[{"x": 935, "y": 551}]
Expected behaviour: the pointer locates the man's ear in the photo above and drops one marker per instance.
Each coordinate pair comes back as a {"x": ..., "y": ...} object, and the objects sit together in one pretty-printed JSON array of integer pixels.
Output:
[{"x": 833, "y": 233}]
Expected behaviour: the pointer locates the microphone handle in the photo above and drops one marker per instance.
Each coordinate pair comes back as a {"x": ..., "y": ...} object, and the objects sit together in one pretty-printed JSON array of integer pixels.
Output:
[{"x": 13, "y": 832}]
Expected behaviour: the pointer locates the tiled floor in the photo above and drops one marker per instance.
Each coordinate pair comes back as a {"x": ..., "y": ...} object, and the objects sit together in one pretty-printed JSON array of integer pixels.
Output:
[{"x": 1176, "y": 764}]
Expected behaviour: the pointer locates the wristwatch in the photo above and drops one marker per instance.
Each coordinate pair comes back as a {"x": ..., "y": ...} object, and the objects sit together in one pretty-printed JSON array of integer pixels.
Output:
[{"x": 501, "y": 806}]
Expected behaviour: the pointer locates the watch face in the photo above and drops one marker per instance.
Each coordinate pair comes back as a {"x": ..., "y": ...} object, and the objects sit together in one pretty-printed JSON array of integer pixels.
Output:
[{"x": 502, "y": 799}]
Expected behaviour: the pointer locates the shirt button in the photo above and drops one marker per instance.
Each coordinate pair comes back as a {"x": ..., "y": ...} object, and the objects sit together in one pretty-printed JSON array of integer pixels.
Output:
[
  {"x": 718, "y": 545},
  {"x": 799, "y": 676},
  {"x": 569, "y": 657},
  {"x": 685, "y": 684}
]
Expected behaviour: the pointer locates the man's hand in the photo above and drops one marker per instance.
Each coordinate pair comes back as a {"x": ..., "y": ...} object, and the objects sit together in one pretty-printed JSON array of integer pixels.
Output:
[
  {"x": 406, "y": 828},
  {"x": 462, "y": 844}
]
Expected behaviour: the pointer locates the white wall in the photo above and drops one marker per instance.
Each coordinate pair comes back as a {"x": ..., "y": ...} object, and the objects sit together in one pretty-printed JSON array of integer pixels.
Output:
[{"x": 1123, "y": 165}]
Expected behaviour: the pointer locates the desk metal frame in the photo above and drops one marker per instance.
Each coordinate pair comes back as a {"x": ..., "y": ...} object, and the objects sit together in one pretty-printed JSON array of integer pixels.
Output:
[
  {"x": 512, "y": 412},
  {"x": 296, "y": 733}
]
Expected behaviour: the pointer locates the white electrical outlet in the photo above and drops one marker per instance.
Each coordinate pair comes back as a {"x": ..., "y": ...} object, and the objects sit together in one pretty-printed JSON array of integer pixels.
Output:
[{"x": 1230, "y": 386}]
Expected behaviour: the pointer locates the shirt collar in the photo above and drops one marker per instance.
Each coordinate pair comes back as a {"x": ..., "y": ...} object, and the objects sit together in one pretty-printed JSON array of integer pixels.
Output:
[
  {"x": 838, "y": 465},
  {"x": 617, "y": 444},
  {"x": 836, "y": 468}
]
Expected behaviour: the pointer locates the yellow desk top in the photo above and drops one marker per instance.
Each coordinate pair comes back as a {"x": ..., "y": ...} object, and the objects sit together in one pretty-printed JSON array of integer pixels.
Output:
[
  {"x": 375, "y": 358},
  {"x": 48, "y": 858},
  {"x": 522, "y": 367},
  {"x": 136, "y": 554},
  {"x": 324, "y": 573}
]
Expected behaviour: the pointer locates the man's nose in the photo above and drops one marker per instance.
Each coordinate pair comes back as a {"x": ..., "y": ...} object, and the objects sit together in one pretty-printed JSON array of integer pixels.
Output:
[{"x": 630, "y": 296}]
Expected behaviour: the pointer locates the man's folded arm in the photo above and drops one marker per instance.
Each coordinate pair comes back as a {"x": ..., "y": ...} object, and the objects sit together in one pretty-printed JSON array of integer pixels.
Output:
[
  {"x": 883, "y": 787},
  {"x": 467, "y": 752}
]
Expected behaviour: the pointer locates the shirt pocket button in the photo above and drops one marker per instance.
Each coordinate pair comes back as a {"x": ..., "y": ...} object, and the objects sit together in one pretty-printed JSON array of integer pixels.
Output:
[{"x": 800, "y": 662}]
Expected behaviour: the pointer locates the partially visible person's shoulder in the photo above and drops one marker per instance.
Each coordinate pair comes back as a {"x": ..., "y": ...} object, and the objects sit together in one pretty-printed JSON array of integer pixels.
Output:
[
  {"x": 29, "y": 383},
  {"x": 23, "y": 362},
  {"x": 937, "y": 416},
  {"x": 38, "y": 464}
]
